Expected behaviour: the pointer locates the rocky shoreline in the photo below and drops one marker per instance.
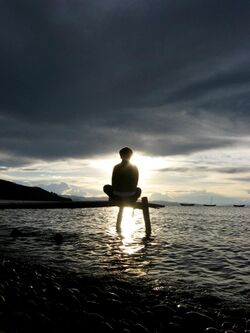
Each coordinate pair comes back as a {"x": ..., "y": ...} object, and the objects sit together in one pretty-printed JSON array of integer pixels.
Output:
[{"x": 34, "y": 298}]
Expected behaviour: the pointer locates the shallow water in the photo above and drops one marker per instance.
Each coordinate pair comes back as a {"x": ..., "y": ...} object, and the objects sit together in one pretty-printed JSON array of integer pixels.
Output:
[{"x": 202, "y": 248}]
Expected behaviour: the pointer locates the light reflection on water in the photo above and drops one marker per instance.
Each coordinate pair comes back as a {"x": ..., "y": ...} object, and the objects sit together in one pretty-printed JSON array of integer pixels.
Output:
[
  {"x": 203, "y": 246},
  {"x": 131, "y": 230}
]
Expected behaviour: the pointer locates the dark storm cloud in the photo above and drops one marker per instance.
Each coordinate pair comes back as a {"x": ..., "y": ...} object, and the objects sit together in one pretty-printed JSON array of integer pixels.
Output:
[{"x": 80, "y": 78}]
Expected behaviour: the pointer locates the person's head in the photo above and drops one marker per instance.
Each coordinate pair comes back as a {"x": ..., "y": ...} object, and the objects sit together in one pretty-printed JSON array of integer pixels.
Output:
[{"x": 126, "y": 153}]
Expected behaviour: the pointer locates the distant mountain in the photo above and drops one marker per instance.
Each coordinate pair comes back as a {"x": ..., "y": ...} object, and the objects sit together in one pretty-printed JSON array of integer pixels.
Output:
[
  {"x": 78, "y": 198},
  {"x": 104, "y": 198},
  {"x": 13, "y": 191}
]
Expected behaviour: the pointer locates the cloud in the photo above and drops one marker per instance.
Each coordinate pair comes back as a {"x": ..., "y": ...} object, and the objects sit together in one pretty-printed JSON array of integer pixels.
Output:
[
  {"x": 81, "y": 78},
  {"x": 58, "y": 188},
  {"x": 8, "y": 161},
  {"x": 161, "y": 197},
  {"x": 241, "y": 179},
  {"x": 225, "y": 170}
]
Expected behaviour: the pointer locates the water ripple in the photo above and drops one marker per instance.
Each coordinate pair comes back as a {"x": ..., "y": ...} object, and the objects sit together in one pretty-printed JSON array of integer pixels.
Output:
[{"x": 195, "y": 246}]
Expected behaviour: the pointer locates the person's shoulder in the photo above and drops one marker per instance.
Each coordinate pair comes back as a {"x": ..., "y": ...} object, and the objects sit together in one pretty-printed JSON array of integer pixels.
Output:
[
  {"x": 117, "y": 166},
  {"x": 133, "y": 166}
]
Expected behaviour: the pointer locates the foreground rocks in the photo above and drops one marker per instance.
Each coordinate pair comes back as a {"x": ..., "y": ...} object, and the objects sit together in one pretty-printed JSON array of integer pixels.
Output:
[{"x": 36, "y": 299}]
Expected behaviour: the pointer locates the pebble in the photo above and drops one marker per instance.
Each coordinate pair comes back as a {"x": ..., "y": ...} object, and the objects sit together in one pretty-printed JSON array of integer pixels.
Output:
[
  {"x": 211, "y": 330},
  {"x": 139, "y": 328},
  {"x": 2, "y": 302},
  {"x": 198, "y": 320},
  {"x": 58, "y": 238},
  {"x": 16, "y": 233},
  {"x": 34, "y": 299},
  {"x": 107, "y": 327},
  {"x": 93, "y": 306},
  {"x": 182, "y": 309},
  {"x": 175, "y": 328},
  {"x": 163, "y": 311},
  {"x": 226, "y": 325},
  {"x": 21, "y": 319}
]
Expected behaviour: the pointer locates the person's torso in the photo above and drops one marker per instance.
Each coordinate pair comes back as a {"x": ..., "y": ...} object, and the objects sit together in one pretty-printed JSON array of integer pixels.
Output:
[{"x": 125, "y": 177}]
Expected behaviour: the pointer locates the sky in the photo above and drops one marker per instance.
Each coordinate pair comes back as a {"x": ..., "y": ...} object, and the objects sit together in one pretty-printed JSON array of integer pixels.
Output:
[{"x": 170, "y": 79}]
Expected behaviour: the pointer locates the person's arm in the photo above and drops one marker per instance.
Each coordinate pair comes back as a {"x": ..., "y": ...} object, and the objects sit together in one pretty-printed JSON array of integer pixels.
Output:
[
  {"x": 114, "y": 176},
  {"x": 135, "y": 176}
]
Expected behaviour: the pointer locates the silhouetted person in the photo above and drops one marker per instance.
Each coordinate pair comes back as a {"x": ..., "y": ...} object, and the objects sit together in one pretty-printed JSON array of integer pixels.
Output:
[{"x": 124, "y": 179}]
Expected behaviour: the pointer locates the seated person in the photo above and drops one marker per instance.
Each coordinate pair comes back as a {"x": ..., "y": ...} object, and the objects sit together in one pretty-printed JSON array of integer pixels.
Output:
[{"x": 124, "y": 179}]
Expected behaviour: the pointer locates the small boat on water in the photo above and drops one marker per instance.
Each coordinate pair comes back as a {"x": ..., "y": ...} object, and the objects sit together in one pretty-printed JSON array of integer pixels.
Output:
[
  {"x": 187, "y": 204},
  {"x": 239, "y": 205}
]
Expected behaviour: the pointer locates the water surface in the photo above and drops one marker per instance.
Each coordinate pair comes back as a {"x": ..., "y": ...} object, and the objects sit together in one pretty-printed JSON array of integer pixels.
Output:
[{"x": 202, "y": 248}]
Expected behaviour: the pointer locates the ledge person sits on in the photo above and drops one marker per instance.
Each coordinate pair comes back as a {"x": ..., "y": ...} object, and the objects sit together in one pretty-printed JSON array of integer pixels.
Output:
[{"x": 124, "y": 179}]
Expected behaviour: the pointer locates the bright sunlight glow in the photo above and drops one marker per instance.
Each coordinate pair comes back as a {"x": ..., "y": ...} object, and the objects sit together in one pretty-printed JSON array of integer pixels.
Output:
[{"x": 146, "y": 165}]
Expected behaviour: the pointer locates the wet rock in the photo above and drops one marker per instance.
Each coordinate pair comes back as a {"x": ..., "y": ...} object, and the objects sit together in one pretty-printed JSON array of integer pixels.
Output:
[
  {"x": 208, "y": 300},
  {"x": 107, "y": 328},
  {"x": 43, "y": 321},
  {"x": 133, "y": 314},
  {"x": 58, "y": 238},
  {"x": 226, "y": 325},
  {"x": 148, "y": 318},
  {"x": 21, "y": 320},
  {"x": 113, "y": 306},
  {"x": 175, "y": 328},
  {"x": 95, "y": 322},
  {"x": 113, "y": 295},
  {"x": 2, "y": 302},
  {"x": 30, "y": 304},
  {"x": 120, "y": 324},
  {"x": 211, "y": 330},
  {"x": 93, "y": 297},
  {"x": 16, "y": 233},
  {"x": 163, "y": 311},
  {"x": 95, "y": 317},
  {"x": 198, "y": 321},
  {"x": 139, "y": 328},
  {"x": 182, "y": 309},
  {"x": 178, "y": 320},
  {"x": 2, "y": 320},
  {"x": 92, "y": 306},
  {"x": 73, "y": 291}
]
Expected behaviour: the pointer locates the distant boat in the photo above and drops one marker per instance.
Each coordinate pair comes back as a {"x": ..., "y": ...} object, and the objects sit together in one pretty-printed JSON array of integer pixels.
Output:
[
  {"x": 239, "y": 205},
  {"x": 187, "y": 204}
]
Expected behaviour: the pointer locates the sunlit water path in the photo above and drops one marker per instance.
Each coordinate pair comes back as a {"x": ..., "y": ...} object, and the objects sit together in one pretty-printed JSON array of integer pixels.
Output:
[{"x": 204, "y": 248}]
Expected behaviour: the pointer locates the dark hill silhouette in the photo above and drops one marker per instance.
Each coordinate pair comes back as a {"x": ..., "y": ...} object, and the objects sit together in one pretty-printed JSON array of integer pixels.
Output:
[{"x": 13, "y": 191}]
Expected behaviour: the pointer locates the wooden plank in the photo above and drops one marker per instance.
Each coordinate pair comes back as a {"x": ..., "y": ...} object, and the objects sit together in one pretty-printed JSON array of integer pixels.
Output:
[
  {"x": 119, "y": 219},
  {"x": 71, "y": 204},
  {"x": 146, "y": 215}
]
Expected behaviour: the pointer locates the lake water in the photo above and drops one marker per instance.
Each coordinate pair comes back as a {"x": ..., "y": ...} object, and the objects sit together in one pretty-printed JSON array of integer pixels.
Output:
[{"x": 195, "y": 248}]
